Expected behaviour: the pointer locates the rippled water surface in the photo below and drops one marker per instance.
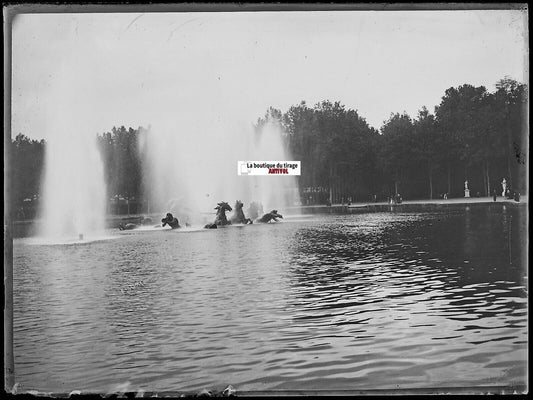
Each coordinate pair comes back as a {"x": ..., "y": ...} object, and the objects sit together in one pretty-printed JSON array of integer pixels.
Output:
[{"x": 370, "y": 301}]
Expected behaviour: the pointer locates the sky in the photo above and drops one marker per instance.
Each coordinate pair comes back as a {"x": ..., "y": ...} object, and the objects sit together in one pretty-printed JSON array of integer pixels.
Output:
[{"x": 88, "y": 72}]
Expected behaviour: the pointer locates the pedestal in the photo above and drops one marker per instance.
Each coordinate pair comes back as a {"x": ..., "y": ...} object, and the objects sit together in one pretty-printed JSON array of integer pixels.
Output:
[{"x": 467, "y": 192}]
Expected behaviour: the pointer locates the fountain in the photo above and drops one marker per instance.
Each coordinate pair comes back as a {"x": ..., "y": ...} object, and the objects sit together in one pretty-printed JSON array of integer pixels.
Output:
[
  {"x": 73, "y": 195},
  {"x": 192, "y": 165},
  {"x": 74, "y": 191},
  {"x": 187, "y": 172}
]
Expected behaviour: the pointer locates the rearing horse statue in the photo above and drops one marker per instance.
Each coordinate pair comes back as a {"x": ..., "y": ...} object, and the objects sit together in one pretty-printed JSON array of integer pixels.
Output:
[
  {"x": 238, "y": 215},
  {"x": 220, "y": 219}
]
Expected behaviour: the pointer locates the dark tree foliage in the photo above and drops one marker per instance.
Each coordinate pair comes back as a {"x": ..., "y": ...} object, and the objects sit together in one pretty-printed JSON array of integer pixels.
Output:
[
  {"x": 510, "y": 103},
  {"x": 122, "y": 163},
  {"x": 473, "y": 135},
  {"x": 334, "y": 145},
  {"x": 27, "y": 160},
  {"x": 467, "y": 117},
  {"x": 425, "y": 148},
  {"x": 396, "y": 153}
]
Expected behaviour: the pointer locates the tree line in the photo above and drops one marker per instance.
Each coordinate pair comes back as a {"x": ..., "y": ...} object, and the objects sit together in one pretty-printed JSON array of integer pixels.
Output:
[{"x": 472, "y": 135}]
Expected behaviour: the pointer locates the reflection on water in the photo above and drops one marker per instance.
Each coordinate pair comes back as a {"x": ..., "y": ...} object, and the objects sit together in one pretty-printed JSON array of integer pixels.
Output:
[{"x": 373, "y": 301}]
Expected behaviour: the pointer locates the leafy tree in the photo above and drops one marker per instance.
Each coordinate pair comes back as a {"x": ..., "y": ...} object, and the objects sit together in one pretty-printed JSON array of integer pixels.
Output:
[
  {"x": 425, "y": 145},
  {"x": 334, "y": 145},
  {"x": 396, "y": 152},
  {"x": 469, "y": 130},
  {"x": 511, "y": 106},
  {"x": 27, "y": 157},
  {"x": 122, "y": 162},
  {"x": 302, "y": 128}
]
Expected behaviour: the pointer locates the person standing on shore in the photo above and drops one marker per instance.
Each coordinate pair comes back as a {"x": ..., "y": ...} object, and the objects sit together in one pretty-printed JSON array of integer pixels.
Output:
[{"x": 494, "y": 194}]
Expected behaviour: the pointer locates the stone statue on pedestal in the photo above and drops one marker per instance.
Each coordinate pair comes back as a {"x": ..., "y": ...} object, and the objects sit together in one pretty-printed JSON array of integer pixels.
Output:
[
  {"x": 504, "y": 187},
  {"x": 467, "y": 191}
]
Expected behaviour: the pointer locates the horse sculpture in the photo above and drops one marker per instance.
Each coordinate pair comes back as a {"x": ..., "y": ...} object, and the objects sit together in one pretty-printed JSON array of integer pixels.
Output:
[
  {"x": 220, "y": 219},
  {"x": 171, "y": 221},
  {"x": 271, "y": 216},
  {"x": 238, "y": 215}
]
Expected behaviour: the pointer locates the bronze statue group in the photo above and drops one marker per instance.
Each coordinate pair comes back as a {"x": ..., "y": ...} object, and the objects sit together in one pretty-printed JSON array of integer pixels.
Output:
[{"x": 238, "y": 217}]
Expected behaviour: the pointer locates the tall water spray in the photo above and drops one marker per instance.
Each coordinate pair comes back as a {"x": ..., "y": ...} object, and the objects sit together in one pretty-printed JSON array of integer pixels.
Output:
[
  {"x": 73, "y": 185},
  {"x": 192, "y": 165},
  {"x": 74, "y": 196}
]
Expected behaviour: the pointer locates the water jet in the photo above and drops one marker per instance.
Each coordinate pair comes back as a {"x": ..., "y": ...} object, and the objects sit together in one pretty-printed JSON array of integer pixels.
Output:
[{"x": 73, "y": 188}]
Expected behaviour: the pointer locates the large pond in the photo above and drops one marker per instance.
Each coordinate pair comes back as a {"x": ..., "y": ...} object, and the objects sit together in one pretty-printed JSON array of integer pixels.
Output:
[{"x": 359, "y": 302}]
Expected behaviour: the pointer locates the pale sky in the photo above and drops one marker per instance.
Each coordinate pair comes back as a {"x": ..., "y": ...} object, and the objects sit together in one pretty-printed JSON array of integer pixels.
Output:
[{"x": 96, "y": 71}]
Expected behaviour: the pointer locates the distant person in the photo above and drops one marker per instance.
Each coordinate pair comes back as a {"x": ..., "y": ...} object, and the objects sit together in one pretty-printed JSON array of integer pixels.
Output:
[
  {"x": 446, "y": 196},
  {"x": 517, "y": 196},
  {"x": 375, "y": 198},
  {"x": 494, "y": 194},
  {"x": 171, "y": 221}
]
